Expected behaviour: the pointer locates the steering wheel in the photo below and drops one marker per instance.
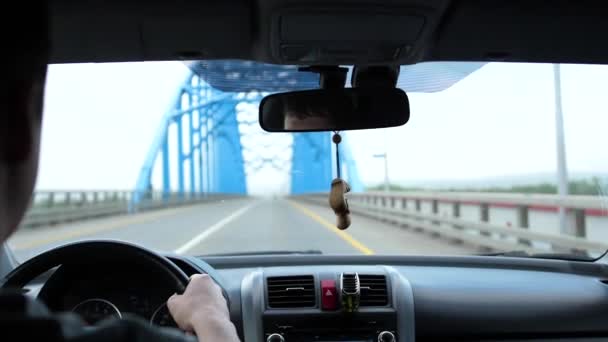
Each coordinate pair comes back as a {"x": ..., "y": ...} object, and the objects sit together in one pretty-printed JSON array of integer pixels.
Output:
[{"x": 84, "y": 253}]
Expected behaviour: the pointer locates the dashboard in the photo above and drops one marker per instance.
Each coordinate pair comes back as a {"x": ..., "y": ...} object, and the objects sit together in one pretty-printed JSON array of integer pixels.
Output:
[{"x": 368, "y": 298}]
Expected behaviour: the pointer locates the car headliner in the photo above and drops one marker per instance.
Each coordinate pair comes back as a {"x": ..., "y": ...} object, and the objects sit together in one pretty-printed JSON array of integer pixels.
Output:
[{"x": 554, "y": 31}]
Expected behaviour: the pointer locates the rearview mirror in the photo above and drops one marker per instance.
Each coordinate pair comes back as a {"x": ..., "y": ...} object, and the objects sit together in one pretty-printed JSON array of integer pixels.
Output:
[{"x": 334, "y": 110}]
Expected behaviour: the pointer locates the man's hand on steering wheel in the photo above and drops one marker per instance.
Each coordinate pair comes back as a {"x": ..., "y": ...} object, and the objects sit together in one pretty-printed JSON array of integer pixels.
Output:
[{"x": 202, "y": 310}]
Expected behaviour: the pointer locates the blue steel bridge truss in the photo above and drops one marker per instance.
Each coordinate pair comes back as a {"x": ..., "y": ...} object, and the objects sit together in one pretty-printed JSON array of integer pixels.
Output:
[{"x": 206, "y": 153}]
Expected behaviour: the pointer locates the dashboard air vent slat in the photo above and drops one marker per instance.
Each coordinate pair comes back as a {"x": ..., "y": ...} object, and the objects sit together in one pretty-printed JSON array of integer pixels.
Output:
[
  {"x": 374, "y": 290},
  {"x": 291, "y": 292}
]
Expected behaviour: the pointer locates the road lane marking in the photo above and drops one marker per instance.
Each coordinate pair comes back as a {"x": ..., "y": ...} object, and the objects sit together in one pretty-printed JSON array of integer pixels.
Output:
[
  {"x": 117, "y": 222},
  {"x": 214, "y": 228},
  {"x": 342, "y": 234}
]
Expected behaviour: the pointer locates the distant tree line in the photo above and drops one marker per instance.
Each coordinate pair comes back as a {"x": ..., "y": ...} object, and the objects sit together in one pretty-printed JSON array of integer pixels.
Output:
[{"x": 591, "y": 186}]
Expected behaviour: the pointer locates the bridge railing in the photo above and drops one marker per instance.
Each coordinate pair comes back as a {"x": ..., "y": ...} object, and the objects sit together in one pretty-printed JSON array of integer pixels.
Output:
[
  {"x": 53, "y": 207},
  {"x": 492, "y": 221}
]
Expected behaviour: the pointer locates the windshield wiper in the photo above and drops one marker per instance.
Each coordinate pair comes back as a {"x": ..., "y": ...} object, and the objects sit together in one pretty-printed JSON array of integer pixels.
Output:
[
  {"x": 557, "y": 256},
  {"x": 302, "y": 252}
]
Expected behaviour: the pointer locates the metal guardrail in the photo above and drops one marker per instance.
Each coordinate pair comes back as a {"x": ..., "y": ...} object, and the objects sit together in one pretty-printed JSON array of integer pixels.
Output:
[
  {"x": 382, "y": 206},
  {"x": 579, "y": 206},
  {"x": 53, "y": 207},
  {"x": 572, "y": 201}
]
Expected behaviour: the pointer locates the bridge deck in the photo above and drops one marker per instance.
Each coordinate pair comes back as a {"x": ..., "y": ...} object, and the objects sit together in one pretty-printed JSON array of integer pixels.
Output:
[{"x": 242, "y": 225}]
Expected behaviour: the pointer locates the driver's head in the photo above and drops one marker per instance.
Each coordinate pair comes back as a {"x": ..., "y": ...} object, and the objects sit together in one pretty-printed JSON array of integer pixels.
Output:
[
  {"x": 25, "y": 50},
  {"x": 302, "y": 121},
  {"x": 308, "y": 113}
]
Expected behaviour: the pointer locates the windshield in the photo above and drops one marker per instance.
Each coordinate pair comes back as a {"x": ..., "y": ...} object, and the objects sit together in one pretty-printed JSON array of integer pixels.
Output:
[{"x": 496, "y": 157}]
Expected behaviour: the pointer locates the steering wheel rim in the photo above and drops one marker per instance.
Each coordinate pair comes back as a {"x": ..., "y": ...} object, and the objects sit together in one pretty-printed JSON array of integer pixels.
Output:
[{"x": 86, "y": 252}]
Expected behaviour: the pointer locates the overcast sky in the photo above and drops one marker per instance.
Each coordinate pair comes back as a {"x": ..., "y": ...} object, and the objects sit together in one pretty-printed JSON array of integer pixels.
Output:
[{"x": 101, "y": 118}]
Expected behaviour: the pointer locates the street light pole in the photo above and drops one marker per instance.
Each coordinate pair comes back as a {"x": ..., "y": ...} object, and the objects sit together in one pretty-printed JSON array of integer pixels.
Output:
[
  {"x": 386, "y": 182},
  {"x": 562, "y": 170}
]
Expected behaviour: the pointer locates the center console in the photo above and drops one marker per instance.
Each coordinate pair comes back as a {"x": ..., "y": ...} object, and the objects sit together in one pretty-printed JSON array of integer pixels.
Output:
[{"x": 372, "y": 304}]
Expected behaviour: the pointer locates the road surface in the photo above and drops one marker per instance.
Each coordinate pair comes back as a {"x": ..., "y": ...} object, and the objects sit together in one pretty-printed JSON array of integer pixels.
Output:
[{"x": 242, "y": 225}]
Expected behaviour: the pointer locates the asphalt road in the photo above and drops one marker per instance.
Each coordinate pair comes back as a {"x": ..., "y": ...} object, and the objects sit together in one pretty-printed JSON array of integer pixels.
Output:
[{"x": 242, "y": 225}]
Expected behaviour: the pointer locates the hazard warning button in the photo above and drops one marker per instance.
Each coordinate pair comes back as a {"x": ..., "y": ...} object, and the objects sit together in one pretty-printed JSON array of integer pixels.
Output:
[{"x": 329, "y": 295}]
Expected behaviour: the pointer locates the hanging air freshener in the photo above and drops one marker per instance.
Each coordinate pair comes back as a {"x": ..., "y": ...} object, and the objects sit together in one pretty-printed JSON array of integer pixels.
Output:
[{"x": 339, "y": 188}]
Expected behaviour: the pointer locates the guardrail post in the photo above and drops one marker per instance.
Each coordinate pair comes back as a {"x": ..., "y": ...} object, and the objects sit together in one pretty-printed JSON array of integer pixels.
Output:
[
  {"x": 392, "y": 202},
  {"x": 435, "y": 209},
  {"x": 523, "y": 222},
  {"x": 456, "y": 215},
  {"x": 67, "y": 198},
  {"x": 51, "y": 199},
  {"x": 580, "y": 228},
  {"x": 484, "y": 215},
  {"x": 456, "y": 209},
  {"x": 418, "y": 207}
]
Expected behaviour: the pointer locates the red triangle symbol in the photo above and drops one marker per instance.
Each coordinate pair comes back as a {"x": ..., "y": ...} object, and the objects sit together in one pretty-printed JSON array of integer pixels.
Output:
[{"x": 328, "y": 293}]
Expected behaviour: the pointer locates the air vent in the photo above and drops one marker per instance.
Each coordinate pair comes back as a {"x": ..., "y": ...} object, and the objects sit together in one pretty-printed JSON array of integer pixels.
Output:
[
  {"x": 350, "y": 283},
  {"x": 373, "y": 290},
  {"x": 291, "y": 292}
]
